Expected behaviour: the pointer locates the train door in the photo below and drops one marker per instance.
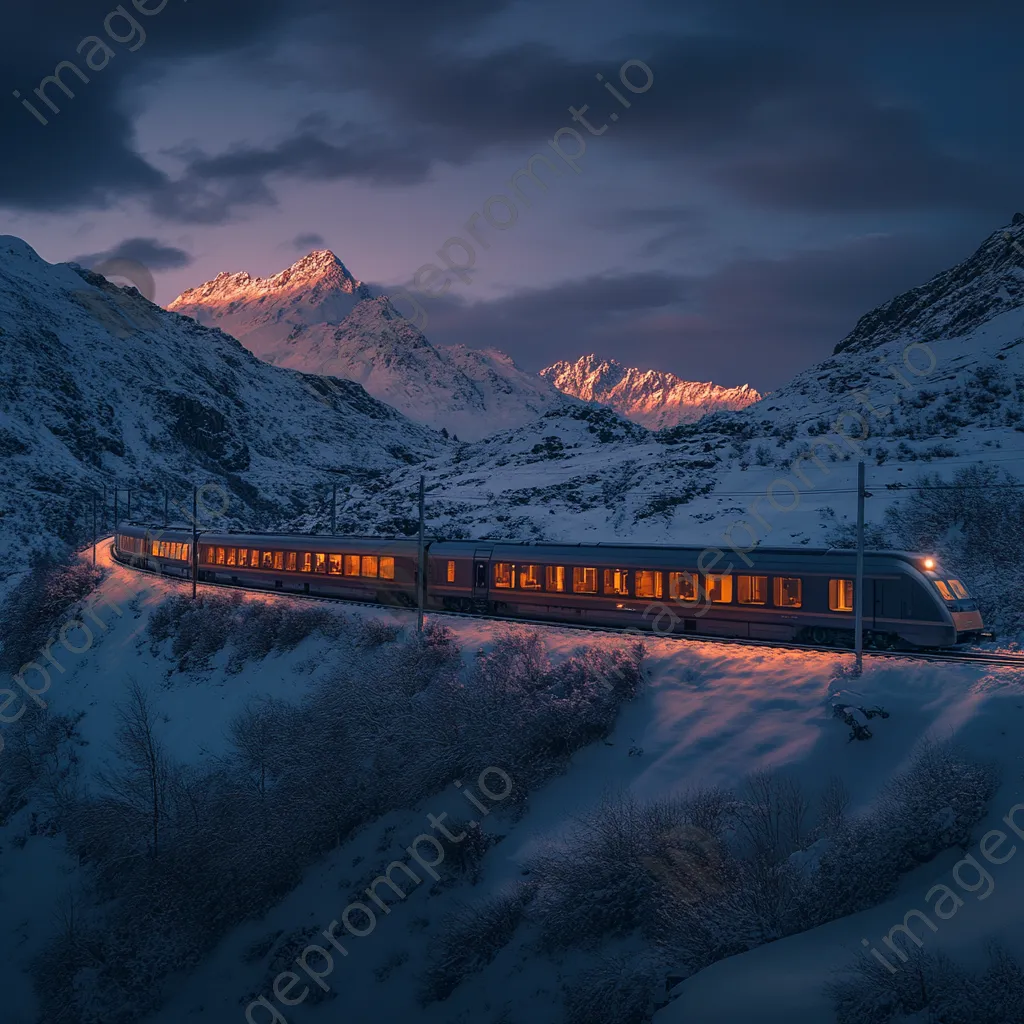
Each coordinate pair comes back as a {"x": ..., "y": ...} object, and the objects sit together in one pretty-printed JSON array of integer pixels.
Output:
[
  {"x": 481, "y": 575},
  {"x": 888, "y": 602}
]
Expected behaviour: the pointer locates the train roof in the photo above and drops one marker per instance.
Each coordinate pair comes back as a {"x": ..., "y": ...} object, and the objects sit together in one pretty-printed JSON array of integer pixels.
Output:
[{"x": 607, "y": 547}]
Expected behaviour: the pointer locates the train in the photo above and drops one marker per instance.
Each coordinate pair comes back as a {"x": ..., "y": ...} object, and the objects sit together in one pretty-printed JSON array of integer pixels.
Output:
[{"x": 787, "y": 595}]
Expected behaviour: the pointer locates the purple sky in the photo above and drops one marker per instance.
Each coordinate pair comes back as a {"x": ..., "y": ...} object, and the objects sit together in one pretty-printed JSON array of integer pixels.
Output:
[{"x": 792, "y": 164}]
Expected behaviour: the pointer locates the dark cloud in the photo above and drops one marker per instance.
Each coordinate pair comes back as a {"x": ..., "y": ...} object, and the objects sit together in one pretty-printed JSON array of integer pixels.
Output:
[
  {"x": 776, "y": 124},
  {"x": 85, "y": 155},
  {"x": 308, "y": 241},
  {"x": 754, "y": 321},
  {"x": 766, "y": 116},
  {"x": 149, "y": 252}
]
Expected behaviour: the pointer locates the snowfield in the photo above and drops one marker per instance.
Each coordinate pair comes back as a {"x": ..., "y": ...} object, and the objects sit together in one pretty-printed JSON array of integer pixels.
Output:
[{"x": 710, "y": 715}]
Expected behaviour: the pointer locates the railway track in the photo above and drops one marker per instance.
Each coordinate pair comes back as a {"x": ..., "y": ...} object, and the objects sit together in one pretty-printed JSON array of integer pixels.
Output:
[{"x": 947, "y": 655}]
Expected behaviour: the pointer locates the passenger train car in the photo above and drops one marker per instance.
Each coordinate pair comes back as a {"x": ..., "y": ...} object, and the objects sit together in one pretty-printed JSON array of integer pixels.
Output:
[{"x": 788, "y": 595}]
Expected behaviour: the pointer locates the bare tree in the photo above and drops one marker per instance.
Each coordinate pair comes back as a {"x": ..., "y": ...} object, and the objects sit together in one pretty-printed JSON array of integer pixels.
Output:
[
  {"x": 141, "y": 779},
  {"x": 771, "y": 815},
  {"x": 255, "y": 734},
  {"x": 832, "y": 805}
]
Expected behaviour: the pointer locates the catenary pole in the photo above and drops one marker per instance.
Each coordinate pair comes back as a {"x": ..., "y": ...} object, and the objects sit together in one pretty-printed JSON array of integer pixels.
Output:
[
  {"x": 421, "y": 571},
  {"x": 195, "y": 540},
  {"x": 858, "y": 590}
]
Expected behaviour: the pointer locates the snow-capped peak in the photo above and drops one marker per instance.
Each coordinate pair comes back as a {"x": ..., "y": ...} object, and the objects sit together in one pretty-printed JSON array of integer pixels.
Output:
[
  {"x": 954, "y": 302},
  {"x": 654, "y": 398},
  {"x": 320, "y": 276}
]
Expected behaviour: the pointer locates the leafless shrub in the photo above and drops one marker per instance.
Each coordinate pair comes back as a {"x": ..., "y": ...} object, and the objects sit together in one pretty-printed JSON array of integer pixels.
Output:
[
  {"x": 471, "y": 938},
  {"x": 771, "y": 814},
  {"x": 377, "y": 632},
  {"x": 616, "y": 990},
  {"x": 929, "y": 807},
  {"x": 832, "y": 806},
  {"x": 54, "y": 583},
  {"x": 934, "y": 985},
  {"x": 618, "y": 863}
]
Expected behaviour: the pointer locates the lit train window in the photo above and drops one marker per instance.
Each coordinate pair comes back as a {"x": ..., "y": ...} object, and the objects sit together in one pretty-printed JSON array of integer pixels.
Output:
[
  {"x": 306, "y": 565},
  {"x": 268, "y": 560},
  {"x": 319, "y": 562},
  {"x": 387, "y": 567},
  {"x": 184, "y": 552},
  {"x": 290, "y": 560},
  {"x": 369, "y": 567},
  {"x": 220, "y": 556},
  {"x": 243, "y": 556},
  {"x": 647, "y": 583},
  {"x": 334, "y": 565},
  {"x": 943, "y": 590},
  {"x": 529, "y": 577},
  {"x": 451, "y": 570},
  {"x": 752, "y": 590},
  {"x": 958, "y": 589},
  {"x": 789, "y": 592},
  {"x": 584, "y": 580},
  {"x": 231, "y": 557},
  {"x": 278, "y": 559},
  {"x": 351, "y": 565},
  {"x": 719, "y": 589},
  {"x": 840, "y": 595},
  {"x": 254, "y": 558},
  {"x": 556, "y": 578},
  {"x": 616, "y": 581},
  {"x": 504, "y": 574},
  {"x": 207, "y": 553},
  {"x": 682, "y": 586}
]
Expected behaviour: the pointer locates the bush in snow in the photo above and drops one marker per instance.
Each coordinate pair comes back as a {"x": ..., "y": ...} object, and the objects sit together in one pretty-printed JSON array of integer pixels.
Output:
[
  {"x": 928, "y": 808},
  {"x": 374, "y": 632},
  {"x": 934, "y": 986},
  {"x": 471, "y": 938},
  {"x": 253, "y": 629},
  {"x": 34, "y": 610},
  {"x": 617, "y": 990},
  {"x": 608, "y": 876},
  {"x": 707, "y": 877},
  {"x": 40, "y": 758}
]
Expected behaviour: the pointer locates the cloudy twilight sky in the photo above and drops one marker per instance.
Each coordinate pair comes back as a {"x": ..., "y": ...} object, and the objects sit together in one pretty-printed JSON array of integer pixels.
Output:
[{"x": 792, "y": 164}]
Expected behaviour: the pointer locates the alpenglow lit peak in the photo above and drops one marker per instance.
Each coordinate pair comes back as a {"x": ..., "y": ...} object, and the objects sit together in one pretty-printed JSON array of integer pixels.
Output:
[
  {"x": 653, "y": 398},
  {"x": 316, "y": 289}
]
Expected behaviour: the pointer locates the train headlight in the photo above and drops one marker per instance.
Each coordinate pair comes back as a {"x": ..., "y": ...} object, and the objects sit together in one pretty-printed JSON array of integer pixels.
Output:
[{"x": 929, "y": 563}]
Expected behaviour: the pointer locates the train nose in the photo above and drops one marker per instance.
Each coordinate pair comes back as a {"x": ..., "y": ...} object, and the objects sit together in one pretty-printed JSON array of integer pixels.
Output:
[
  {"x": 969, "y": 626},
  {"x": 967, "y": 622}
]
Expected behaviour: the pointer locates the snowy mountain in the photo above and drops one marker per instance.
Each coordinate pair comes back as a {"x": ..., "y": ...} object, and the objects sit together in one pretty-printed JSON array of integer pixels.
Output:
[
  {"x": 650, "y": 397},
  {"x": 316, "y": 289},
  {"x": 98, "y": 385},
  {"x": 317, "y": 318}
]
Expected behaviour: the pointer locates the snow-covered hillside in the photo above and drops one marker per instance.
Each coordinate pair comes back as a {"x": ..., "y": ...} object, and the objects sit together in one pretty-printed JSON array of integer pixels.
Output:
[
  {"x": 710, "y": 715},
  {"x": 317, "y": 318},
  {"x": 652, "y": 398},
  {"x": 99, "y": 387}
]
